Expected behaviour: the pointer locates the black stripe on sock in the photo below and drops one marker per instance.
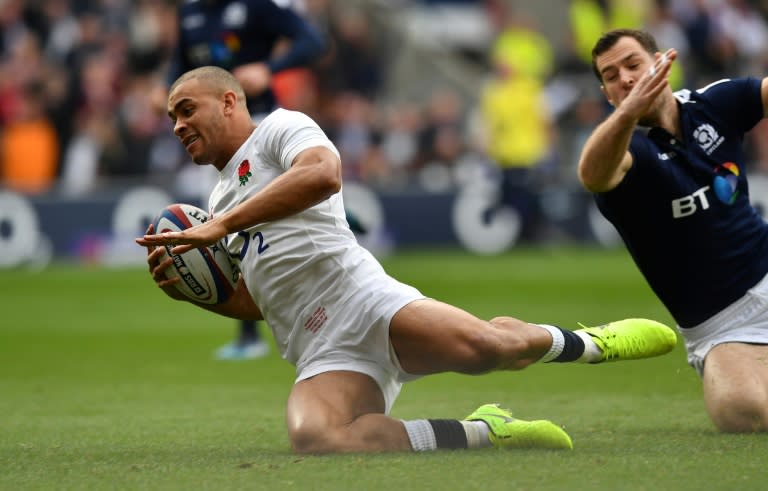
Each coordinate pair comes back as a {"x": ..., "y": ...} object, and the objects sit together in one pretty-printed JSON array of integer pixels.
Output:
[
  {"x": 449, "y": 433},
  {"x": 573, "y": 349}
]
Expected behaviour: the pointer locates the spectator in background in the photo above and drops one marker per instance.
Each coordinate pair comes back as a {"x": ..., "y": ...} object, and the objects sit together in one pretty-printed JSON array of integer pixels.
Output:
[
  {"x": 590, "y": 18},
  {"x": 747, "y": 31},
  {"x": 400, "y": 145},
  {"x": 96, "y": 145},
  {"x": 518, "y": 130},
  {"x": 667, "y": 31},
  {"x": 355, "y": 64},
  {"x": 350, "y": 80},
  {"x": 29, "y": 146},
  {"x": 709, "y": 48},
  {"x": 441, "y": 139},
  {"x": 254, "y": 39}
]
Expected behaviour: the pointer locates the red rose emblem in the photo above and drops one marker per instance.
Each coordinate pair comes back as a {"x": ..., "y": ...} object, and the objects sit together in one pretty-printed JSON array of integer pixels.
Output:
[{"x": 244, "y": 172}]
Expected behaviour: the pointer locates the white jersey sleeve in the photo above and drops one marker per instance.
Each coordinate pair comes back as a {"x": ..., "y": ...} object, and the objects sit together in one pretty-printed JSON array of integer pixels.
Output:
[{"x": 288, "y": 133}]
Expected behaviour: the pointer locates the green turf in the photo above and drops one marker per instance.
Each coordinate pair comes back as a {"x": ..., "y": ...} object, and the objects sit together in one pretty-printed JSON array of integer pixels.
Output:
[{"x": 106, "y": 384}]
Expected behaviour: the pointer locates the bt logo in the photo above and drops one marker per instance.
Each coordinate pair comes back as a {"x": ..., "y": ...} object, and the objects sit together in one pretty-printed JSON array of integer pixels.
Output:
[
  {"x": 724, "y": 187},
  {"x": 688, "y": 205}
]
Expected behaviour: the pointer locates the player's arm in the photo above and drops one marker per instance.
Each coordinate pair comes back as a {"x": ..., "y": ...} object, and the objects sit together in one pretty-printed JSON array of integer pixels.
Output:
[
  {"x": 605, "y": 158},
  {"x": 305, "y": 44},
  {"x": 764, "y": 93},
  {"x": 239, "y": 305},
  {"x": 314, "y": 176}
]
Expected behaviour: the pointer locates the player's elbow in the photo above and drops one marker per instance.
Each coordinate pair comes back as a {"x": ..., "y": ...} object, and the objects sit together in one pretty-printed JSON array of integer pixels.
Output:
[
  {"x": 588, "y": 179},
  {"x": 329, "y": 179},
  {"x": 592, "y": 181}
]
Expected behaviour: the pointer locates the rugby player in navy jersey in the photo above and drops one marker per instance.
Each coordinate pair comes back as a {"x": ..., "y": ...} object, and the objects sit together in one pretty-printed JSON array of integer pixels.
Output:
[
  {"x": 241, "y": 36},
  {"x": 669, "y": 171}
]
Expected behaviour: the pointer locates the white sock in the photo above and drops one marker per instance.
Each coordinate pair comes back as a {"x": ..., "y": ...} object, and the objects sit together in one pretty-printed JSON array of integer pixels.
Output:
[
  {"x": 592, "y": 352},
  {"x": 421, "y": 435},
  {"x": 558, "y": 342},
  {"x": 477, "y": 434}
]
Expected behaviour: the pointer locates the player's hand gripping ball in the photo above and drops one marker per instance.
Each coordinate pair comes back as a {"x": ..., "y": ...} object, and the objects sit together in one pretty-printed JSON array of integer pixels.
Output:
[{"x": 206, "y": 274}]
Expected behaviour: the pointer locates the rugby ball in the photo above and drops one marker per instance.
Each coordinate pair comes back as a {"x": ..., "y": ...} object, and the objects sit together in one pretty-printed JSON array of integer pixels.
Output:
[{"x": 207, "y": 274}]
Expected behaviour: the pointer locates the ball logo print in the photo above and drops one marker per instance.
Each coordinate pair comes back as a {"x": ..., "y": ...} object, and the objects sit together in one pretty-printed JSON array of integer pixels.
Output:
[
  {"x": 207, "y": 274},
  {"x": 726, "y": 182}
]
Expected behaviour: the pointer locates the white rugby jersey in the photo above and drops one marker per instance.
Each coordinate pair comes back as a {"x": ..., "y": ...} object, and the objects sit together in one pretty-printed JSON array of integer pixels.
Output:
[{"x": 289, "y": 263}]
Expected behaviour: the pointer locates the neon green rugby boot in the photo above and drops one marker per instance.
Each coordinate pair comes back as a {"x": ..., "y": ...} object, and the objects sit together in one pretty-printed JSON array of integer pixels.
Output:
[
  {"x": 631, "y": 339},
  {"x": 509, "y": 432}
]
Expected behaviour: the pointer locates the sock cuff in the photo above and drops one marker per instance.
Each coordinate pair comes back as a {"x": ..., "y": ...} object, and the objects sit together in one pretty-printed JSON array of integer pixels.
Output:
[
  {"x": 421, "y": 435},
  {"x": 477, "y": 434},
  {"x": 558, "y": 342}
]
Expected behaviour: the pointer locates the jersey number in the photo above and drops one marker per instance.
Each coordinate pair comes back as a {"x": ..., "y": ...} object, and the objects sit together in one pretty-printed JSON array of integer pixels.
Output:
[{"x": 258, "y": 238}]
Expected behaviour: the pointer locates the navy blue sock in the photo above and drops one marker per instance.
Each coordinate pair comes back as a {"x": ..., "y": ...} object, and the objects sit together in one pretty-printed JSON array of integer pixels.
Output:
[
  {"x": 449, "y": 433},
  {"x": 249, "y": 332},
  {"x": 573, "y": 348}
]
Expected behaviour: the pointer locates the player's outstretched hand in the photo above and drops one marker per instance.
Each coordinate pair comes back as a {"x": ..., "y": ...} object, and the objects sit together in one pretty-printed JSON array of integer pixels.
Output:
[
  {"x": 198, "y": 236},
  {"x": 649, "y": 86}
]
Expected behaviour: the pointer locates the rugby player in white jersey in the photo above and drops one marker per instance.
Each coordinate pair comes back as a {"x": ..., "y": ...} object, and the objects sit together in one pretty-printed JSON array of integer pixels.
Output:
[{"x": 354, "y": 333}]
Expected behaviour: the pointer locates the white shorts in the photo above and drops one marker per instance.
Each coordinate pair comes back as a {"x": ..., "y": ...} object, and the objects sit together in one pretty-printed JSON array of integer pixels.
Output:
[
  {"x": 358, "y": 340},
  {"x": 744, "y": 321}
]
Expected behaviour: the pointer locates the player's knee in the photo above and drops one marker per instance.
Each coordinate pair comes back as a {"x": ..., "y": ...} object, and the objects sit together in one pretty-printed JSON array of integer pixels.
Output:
[
  {"x": 741, "y": 413},
  {"x": 310, "y": 439}
]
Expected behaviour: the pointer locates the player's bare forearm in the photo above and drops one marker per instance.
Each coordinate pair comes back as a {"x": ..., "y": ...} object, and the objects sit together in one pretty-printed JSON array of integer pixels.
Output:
[
  {"x": 605, "y": 157},
  {"x": 314, "y": 177},
  {"x": 238, "y": 306}
]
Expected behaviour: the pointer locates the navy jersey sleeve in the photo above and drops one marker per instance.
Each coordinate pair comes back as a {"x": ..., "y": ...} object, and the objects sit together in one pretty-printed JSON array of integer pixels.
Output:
[
  {"x": 307, "y": 42},
  {"x": 738, "y": 101},
  {"x": 234, "y": 33}
]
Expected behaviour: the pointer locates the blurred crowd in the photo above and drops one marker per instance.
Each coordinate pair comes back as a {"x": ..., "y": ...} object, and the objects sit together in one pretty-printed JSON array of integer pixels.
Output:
[{"x": 76, "y": 78}]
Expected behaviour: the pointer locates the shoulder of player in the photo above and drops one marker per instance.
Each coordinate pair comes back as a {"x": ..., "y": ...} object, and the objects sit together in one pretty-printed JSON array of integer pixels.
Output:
[
  {"x": 286, "y": 119},
  {"x": 718, "y": 89}
]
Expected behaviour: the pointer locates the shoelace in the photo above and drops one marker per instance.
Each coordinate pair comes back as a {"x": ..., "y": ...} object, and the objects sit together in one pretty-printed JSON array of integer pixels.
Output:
[{"x": 626, "y": 347}]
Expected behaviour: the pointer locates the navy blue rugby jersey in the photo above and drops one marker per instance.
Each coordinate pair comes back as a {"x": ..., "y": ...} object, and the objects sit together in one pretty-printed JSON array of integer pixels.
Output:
[
  {"x": 229, "y": 34},
  {"x": 683, "y": 208}
]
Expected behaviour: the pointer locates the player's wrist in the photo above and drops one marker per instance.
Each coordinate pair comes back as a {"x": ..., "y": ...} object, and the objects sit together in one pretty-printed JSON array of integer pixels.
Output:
[
  {"x": 227, "y": 223},
  {"x": 625, "y": 118}
]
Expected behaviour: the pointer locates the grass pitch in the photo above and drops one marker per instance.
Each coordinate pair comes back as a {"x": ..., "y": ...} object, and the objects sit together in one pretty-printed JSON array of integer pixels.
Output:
[{"x": 106, "y": 384}]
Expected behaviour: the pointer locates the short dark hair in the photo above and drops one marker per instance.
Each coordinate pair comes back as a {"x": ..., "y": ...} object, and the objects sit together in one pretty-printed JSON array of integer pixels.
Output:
[
  {"x": 610, "y": 38},
  {"x": 214, "y": 77}
]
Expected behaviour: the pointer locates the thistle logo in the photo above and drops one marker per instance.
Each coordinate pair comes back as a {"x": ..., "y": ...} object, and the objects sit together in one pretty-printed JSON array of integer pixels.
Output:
[
  {"x": 725, "y": 182},
  {"x": 707, "y": 138}
]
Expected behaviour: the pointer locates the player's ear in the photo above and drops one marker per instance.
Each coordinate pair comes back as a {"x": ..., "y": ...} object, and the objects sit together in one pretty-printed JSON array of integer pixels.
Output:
[
  {"x": 607, "y": 97},
  {"x": 230, "y": 101}
]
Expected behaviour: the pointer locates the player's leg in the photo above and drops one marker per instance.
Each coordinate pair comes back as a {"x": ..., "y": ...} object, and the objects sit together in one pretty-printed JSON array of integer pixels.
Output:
[
  {"x": 343, "y": 411},
  {"x": 248, "y": 345},
  {"x": 430, "y": 337},
  {"x": 735, "y": 383}
]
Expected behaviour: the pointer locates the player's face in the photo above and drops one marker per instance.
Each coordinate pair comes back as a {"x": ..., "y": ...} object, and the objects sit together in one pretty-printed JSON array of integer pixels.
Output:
[
  {"x": 197, "y": 115},
  {"x": 620, "y": 68}
]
